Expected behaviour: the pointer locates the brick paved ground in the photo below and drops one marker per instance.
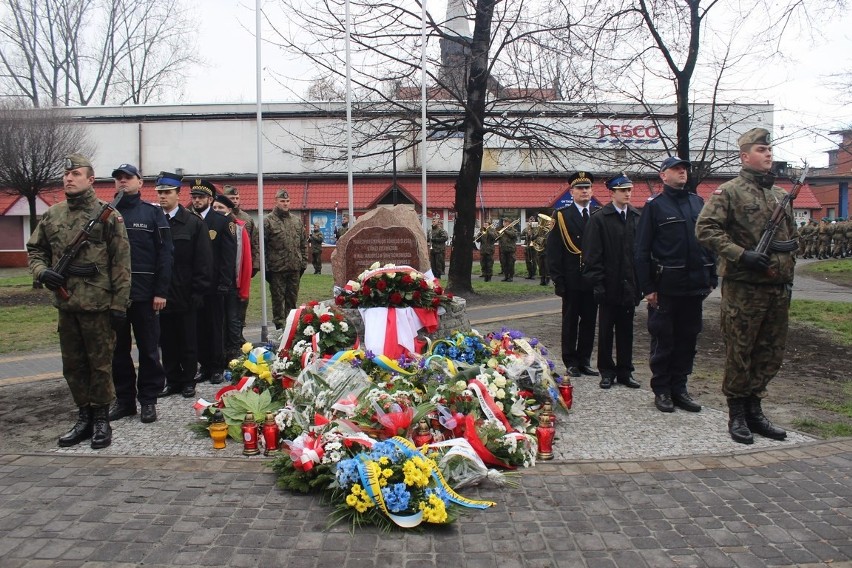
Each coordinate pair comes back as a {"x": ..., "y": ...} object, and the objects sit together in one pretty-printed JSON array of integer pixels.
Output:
[{"x": 790, "y": 507}]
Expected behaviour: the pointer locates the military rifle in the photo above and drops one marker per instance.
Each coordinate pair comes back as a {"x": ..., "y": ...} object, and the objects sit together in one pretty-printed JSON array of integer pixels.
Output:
[
  {"x": 63, "y": 266},
  {"x": 767, "y": 242}
]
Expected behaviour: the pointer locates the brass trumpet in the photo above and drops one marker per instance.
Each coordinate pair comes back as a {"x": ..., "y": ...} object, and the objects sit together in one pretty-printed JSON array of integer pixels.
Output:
[{"x": 485, "y": 230}]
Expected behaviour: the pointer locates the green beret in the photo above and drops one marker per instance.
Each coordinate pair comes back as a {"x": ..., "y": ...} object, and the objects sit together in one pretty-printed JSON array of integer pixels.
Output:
[
  {"x": 230, "y": 190},
  {"x": 282, "y": 194},
  {"x": 74, "y": 161},
  {"x": 755, "y": 136}
]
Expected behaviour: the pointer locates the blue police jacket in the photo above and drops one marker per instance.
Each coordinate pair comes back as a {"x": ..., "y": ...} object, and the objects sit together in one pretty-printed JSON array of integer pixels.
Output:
[
  {"x": 667, "y": 255},
  {"x": 150, "y": 248}
]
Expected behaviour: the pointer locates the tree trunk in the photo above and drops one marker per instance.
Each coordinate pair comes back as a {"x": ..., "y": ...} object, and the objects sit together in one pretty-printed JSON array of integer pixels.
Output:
[{"x": 461, "y": 257}]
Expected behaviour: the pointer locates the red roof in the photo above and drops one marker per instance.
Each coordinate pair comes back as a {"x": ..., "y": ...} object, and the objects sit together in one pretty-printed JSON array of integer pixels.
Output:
[{"x": 494, "y": 193}]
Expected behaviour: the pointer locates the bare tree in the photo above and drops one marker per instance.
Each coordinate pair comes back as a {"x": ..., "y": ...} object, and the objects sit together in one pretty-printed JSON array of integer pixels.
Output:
[
  {"x": 32, "y": 145},
  {"x": 81, "y": 52}
]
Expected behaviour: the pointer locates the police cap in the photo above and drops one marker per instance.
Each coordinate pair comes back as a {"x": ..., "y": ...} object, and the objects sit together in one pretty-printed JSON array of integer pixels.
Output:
[
  {"x": 167, "y": 181},
  {"x": 673, "y": 161},
  {"x": 620, "y": 181}
]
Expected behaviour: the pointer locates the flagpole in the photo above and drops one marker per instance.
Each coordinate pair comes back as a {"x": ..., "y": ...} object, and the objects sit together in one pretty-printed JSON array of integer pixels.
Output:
[
  {"x": 350, "y": 191},
  {"x": 423, "y": 114},
  {"x": 264, "y": 328}
]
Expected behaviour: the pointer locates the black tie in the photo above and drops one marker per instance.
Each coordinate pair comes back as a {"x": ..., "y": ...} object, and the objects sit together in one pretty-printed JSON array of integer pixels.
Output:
[
  {"x": 624, "y": 216},
  {"x": 585, "y": 214}
]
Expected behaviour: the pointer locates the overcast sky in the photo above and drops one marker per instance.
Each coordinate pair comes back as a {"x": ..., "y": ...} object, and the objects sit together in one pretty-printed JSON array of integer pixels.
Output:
[{"x": 805, "y": 110}]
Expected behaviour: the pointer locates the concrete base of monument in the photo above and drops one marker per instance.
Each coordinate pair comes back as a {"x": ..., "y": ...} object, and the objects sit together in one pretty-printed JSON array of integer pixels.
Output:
[{"x": 453, "y": 319}]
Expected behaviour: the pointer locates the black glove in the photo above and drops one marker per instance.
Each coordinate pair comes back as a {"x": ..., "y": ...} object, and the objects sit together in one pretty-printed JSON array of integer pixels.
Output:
[
  {"x": 117, "y": 320},
  {"x": 51, "y": 279},
  {"x": 600, "y": 295},
  {"x": 755, "y": 260}
]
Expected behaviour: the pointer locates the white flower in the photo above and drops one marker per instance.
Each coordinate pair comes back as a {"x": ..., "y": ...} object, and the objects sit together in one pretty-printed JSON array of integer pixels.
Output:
[
  {"x": 327, "y": 327},
  {"x": 309, "y": 331},
  {"x": 375, "y": 265},
  {"x": 344, "y": 327},
  {"x": 501, "y": 394},
  {"x": 461, "y": 385},
  {"x": 389, "y": 265},
  {"x": 354, "y": 286},
  {"x": 500, "y": 381}
]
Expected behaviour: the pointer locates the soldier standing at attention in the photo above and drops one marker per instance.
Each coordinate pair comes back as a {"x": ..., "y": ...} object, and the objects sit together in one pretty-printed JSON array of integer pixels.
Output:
[
  {"x": 192, "y": 276},
  {"x": 316, "y": 240},
  {"x": 151, "y": 268},
  {"x": 233, "y": 193},
  {"x": 486, "y": 251},
  {"x": 565, "y": 263},
  {"x": 98, "y": 285},
  {"x": 608, "y": 259},
  {"x": 437, "y": 247},
  {"x": 756, "y": 287},
  {"x": 341, "y": 230},
  {"x": 286, "y": 256},
  {"x": 211, "y": 317},
  {"x": 675, "y": 275},
  {"x": 530, "y": 254},
  {"x": 508, "y": 239}
]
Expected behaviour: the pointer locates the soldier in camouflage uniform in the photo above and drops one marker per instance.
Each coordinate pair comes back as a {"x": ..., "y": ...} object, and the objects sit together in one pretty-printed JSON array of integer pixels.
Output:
[
  {"x": 806, "y": 239},
  {"x": 486, "y": 250},
  {"x": 756, "y": 287},
  {"x": 507, "y": 240},
  {"x": 530, "y": 254},
  {"x": 99, "y": 286},
  {"x": 286, "y": 250},
  {"x": 839, "y": 248},
  {"x": 437, "y": 247},
  {"x": 848, "y": 232},
  {"x": 316, "y": 240},
  {"x": 824, "y": 237}
]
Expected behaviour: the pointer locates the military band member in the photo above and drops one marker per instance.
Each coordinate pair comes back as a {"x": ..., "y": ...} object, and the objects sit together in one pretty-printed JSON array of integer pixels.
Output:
[
  {"x": 756, "y": 287},
  {"x": 98, "y": 285},
  {"x": 540, "y": 248},
  {"x": 530, "y": 254},
  {"x": 286, "y": 256},
  {"x": 437, "y": 247},
  {"x": 487, "y": 241},
  {"x": 565, "y": 263},
  {"x": 508, "y": 239},
  {"x": 316, "y": 238},
  {"x": 211, "y": 317}
]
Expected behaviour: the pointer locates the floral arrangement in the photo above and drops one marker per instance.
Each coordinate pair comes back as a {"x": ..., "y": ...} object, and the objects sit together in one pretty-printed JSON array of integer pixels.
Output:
[
  {"x": 312, "y": 330},
  {"x": 393, "y": 482},
  {"x": 392, "y": 286}
]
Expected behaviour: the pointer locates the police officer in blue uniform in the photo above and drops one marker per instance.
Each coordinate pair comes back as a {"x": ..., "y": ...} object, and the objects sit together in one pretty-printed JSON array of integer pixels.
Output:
[
  {"x": 675, "y": 274},
  {"x": 151, "y": 270}
]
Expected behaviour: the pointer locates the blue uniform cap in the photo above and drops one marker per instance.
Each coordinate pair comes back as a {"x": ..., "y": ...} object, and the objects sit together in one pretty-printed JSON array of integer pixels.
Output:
[
  {"x": 673, "y": 161},
  {"x": 619, "y": 182},
  {"x": 167, "y": 180}
]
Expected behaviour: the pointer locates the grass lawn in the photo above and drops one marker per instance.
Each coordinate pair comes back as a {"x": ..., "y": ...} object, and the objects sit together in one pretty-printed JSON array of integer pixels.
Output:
[
  {"x": 835, "y": 317},
  {"x": 838, "y": 271},
  {"x": 831, "y": 429},
  {"x": 28, "y": 320}
]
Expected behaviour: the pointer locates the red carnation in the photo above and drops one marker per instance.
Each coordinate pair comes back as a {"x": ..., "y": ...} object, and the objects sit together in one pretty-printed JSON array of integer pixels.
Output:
[
  {"x": 439, "y": 290},
  {"x": 436, "y": 301},
  {"x": 382, "y": 285},
  {"x": 407, "y": 279},
  {"x": 424, "y": 285},
  {"x": 450, "y": 295},
  {"x": 313, "y": 303},
  {"x": 307, "y": 318},
  {"x": 338, "y": 317},
  {"x": 339, "y": 300},
  {"x": 365, "y": 290},
  {"x": 395, "y": 298},
  {"x": 325, "y": 317},
  {"x": 415, "y": 295}
]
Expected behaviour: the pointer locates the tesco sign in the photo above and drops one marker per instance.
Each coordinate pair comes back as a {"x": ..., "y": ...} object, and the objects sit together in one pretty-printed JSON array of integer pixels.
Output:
[{"x": 627, "y": 133}]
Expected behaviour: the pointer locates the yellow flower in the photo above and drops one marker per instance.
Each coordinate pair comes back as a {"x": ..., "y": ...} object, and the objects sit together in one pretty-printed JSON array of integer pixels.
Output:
[
  {"x": 246, "y": 347},
  {"x": 416, "y": 472},
  {"x": 351, "y": 500},
  {"x": 233, "y": 364},
  {"x": 434, "y": 511},
  {"x": 387, "y": 473},
  {"x": 384, "y": 460}
]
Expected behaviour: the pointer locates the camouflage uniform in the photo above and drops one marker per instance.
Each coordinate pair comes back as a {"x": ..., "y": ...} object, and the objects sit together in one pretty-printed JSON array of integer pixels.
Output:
[
  {"x": 540, "y": 242},
  {"x": 285, "y": 245},
  {"x": 486, "y": 252},
  {"x": 85, "y": 335},
  {"x": 754, "y": 304},
  {"x": 806, "y": 235},
  {"x": 839, "y": 249},
  {"x": 824, "y": 236},
  {"x": 438, "y": 238},
  {"x": 316, "y": 240},
  {"x": 508, "y": 239},
  {"x": 848, "y": 233}
]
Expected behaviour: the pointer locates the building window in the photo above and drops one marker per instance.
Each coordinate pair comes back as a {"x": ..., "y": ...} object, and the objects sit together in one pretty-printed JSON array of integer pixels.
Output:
[{"x": 309, "y": 154}]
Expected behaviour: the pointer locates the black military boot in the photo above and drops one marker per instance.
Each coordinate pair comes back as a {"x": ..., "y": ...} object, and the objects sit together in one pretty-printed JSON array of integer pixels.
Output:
[
  {"x": 543, "y": 281},
  {"x": 102, "y": 435},
  {"x": 82, "y": 429},
  {"x": 758, "y": 423},
  {"x": 737, "y": 426}
]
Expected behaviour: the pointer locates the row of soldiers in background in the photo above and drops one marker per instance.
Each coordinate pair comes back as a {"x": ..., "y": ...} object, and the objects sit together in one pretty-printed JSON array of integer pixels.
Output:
[
  {"x": 503, "y": 234},
  {"x": 535, "y": 252},
  {"x": 826, "y": 239}
]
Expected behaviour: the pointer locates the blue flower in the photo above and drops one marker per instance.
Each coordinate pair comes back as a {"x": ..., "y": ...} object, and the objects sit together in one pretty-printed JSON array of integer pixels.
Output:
[
  {"x": 533, "y": 341},
  {"x": 384, "y": 449},
  {"x": 453, "y": 352},
  {"x": 440, "y": 492},
  {"x": 347, "y": 472},
  {"x": 396, "y": 497},
  {"x": 543, "y": 350},
  {"x": 550, "y": 365},
  {"x": 369, "y": 354}
]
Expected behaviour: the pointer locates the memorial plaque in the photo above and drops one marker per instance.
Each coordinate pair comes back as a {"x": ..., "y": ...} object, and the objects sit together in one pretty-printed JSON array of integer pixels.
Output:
[{"x": 388, "y": 235}]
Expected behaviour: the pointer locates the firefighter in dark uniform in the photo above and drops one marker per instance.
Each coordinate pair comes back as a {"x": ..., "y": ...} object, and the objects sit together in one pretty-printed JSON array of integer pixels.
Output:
[
  {"x": 151, "y": 268},
  {"x": 211, "y": 317},
  {"x": 675, "y": 275},
  {"x": 192, "y": 275}
]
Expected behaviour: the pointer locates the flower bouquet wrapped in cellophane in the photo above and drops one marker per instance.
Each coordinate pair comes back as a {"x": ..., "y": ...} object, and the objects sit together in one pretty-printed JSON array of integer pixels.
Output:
[{"x": 394, "y": 485}]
